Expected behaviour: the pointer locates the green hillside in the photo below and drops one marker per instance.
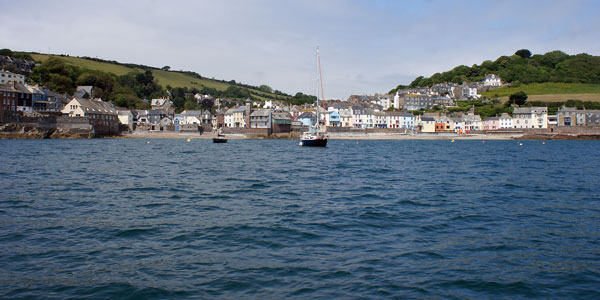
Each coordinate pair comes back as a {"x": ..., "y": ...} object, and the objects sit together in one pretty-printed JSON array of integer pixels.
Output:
[
  {"x": 546, "y": 88},
  {"x": 164, "y": 78},
  {"x": 554, "y": 72},
  {"x": 131, "y": 85}
]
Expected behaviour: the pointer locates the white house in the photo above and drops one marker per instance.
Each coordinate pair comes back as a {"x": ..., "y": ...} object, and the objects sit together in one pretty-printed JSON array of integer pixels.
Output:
[
  {"x": 228, "y": 117},
  {"x": 191, "y": 117},
  {"x": 492, "y": 80},
  {"x": 530, "y": 117},
  {"x": 459, "y": 125},
  {"x": 125, "y": 118},
  {"x": 268, "y": 104},
  {"x": 362, "y": 117},
  {"x": 506, "y": 121}
]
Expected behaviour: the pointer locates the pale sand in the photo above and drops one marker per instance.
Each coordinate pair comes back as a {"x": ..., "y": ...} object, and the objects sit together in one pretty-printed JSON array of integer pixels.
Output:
[{"x": 335, "y": 136}]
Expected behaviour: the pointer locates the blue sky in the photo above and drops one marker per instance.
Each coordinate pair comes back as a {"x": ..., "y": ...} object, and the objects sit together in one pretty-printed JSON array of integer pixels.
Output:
[{"x": 367, "y": 47}]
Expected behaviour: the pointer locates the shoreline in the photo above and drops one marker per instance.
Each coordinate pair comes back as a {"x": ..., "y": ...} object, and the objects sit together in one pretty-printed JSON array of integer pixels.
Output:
[{"x": 333, "y": 136}]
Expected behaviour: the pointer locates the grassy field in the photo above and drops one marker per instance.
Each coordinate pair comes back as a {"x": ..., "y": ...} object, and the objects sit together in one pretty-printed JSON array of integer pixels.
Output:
[
  {"x": 595, "y": 97},
  {"x": 164, "y": 78},
  {"x": 88, "y": 64},
  {"x": 548, "y": 88}
]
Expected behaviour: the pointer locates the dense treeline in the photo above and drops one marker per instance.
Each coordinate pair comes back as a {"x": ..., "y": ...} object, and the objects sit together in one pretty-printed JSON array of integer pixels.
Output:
[
  {"x": 522, "y": 67},
  {"x": 125, "y": 90}
]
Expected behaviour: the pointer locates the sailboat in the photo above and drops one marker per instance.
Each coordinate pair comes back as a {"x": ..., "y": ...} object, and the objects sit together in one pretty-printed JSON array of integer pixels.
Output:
[{"x": 317, "y": 135}]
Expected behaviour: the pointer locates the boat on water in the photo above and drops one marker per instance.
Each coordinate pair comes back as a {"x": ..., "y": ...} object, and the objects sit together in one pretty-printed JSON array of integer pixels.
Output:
[
  {"x": 317, "y": 135},
  {"x": 218, "y": 136}
]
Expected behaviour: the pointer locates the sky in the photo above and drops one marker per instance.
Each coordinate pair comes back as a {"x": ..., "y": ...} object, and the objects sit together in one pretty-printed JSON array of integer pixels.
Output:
[{"x": 366, "y": 47}]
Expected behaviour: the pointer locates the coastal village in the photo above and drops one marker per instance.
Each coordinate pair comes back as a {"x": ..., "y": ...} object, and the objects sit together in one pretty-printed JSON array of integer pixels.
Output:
[{"x": 404, "y": 112}]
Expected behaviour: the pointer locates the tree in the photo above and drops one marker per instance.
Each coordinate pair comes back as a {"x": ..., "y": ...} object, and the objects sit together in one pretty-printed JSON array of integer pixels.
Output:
[
  {"x": 166, "y": 68},
  {"x": 524, "y": 53},
  {"x": 265, "y": 88},
  {"x": 518, "y": 98},
  {"x": 207, "y": 103},
  {"x": 6, "y": 52}
]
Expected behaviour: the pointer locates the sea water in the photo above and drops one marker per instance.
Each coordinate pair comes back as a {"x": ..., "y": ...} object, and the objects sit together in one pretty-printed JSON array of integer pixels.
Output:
[{"x": 268, "y": 219}]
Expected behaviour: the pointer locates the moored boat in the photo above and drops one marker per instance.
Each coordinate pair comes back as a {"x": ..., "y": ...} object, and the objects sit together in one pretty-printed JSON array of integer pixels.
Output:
[{"x": 317, "y": 135}]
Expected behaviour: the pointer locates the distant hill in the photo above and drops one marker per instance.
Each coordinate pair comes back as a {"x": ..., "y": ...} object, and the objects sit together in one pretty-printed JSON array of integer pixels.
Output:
[
  {"x": 165, "y": 78},
  {"x": 524, "y": 68}
]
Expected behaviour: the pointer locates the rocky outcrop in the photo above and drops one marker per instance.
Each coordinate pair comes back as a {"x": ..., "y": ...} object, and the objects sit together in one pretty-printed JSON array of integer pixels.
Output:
[
  {"x": 560, "y": 137},
  {"x": 19, "y": 131}
]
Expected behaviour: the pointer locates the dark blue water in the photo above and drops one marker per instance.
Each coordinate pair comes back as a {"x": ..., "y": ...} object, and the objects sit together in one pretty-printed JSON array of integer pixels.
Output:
[{"x": 269, "y": 219}]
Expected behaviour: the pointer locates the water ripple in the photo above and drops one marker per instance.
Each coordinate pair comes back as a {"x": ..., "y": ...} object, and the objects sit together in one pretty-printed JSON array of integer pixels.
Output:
[{"x": 265, "y": 219}]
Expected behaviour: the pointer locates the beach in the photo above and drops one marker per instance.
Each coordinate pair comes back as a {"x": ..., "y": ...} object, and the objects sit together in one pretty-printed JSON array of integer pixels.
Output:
[{"x": 333, "y": 136}]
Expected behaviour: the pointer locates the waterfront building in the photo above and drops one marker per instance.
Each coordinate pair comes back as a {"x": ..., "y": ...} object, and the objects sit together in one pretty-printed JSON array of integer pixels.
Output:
[
  {"x": 491, "y": 123},
  {"x": 473, "y": 122},
  {"x": 239, "y": 117},
  {"x": 332, "y": 118},
  {"x": 281, "y": 122},
  {"x": 307, "y": 118},
  {"x": 506, "y": 121},
  {"x": 362, "y": 117},
  {"x": 228, "y": 117},
  {"x": 530, "y": 117},
  {"x": 8, "y": 97},
  {"x": 459, "y": 124},
  {"x": 444, "y": 123},
  {"x": 345, "y": 118},
  {"x": 193, "y": 117},
  {"x": 125, "y": 118},
  {"x": 592, "y": 117},
  {"x": 260, "y": 118},
  {"x": 15, "y": 97},
  {"x": 393, "y": 119},
  {"x": 102, "y": 115},
  {"x": 380, "y": 120},
  {"x": 427, "y": 124},
  {"x": 407, "y": 120},
  {"x": 570, "y": 116}
]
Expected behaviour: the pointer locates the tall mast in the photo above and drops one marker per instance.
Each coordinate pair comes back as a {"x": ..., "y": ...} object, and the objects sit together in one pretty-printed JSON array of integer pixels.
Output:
[
  {"x": 320, "y": 82},
  {"x": 317, "y": 107},
  {"x": 321, "y": 78}
]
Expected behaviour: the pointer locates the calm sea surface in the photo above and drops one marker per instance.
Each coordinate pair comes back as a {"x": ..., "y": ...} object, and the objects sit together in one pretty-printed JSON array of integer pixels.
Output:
[{"x": 268, "y": 219}]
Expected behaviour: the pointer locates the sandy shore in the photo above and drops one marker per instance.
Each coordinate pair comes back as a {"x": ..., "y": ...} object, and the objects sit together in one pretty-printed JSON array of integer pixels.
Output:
[{"x": 333, "y": 136}]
